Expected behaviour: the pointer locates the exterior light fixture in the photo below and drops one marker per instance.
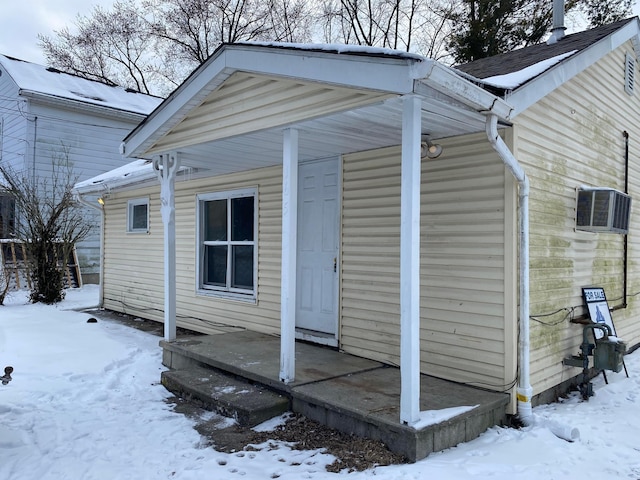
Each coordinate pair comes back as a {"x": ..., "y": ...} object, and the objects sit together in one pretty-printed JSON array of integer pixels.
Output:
[{"x": 428, "y": 149}]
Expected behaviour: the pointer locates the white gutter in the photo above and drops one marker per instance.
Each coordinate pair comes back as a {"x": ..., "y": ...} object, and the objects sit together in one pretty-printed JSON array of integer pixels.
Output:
[
  {"x": 524, "y": 391},
  {"x": 448, "y": 81},
  {"x": 81, "y": 200}
]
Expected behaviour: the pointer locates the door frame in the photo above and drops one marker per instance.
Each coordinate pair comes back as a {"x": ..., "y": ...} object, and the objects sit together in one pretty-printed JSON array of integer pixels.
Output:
[{"x": 315, "y": 336}]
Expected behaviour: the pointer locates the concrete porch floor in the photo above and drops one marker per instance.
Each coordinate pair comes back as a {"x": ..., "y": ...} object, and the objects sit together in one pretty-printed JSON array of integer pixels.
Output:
[{"x": 342, "y": 391}]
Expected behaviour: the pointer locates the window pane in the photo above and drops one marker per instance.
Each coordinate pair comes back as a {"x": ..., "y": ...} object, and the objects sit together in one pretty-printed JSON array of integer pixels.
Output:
[
  {"x": 242, "y": 219},
  {"x": 242, "y": 266},
  {"x": 215, "y": 266},
  {"x": 215, "y": 220},
  {"x": 139, "y": 217}
]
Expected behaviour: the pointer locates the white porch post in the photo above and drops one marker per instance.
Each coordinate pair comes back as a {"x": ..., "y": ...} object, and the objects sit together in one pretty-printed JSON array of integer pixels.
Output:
[
  {"x": 166, "y": 166},
  {"x": 410, "y": 262},
  {"x": 289, "y": 252}
]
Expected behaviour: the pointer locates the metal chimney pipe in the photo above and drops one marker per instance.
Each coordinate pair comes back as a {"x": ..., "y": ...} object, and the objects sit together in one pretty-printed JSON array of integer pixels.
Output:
[{"x": 557, "y": 32}]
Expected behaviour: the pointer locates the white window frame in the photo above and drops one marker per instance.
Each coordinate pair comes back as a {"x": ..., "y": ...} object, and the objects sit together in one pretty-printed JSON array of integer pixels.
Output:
[
  {"x": 131, "y": 204},
  {"x": 227, "y": 291}
]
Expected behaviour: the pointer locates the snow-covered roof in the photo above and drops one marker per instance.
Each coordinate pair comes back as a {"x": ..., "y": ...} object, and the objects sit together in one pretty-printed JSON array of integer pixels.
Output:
[
  {"x": 338, "y": 48},
  {"x": 36, "y": 78},
  {"x": 136, "y": 171},
  {"x": 511, "y": 81}
]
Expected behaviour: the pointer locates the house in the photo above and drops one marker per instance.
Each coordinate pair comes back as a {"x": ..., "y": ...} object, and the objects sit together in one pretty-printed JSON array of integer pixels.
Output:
[
  {"x": 49, "y": 116},
  {"x": 389, "y": 206}
]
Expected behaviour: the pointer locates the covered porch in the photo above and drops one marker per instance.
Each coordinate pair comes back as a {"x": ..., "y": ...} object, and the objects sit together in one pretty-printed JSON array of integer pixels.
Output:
[
  {"x": 238, "y": 373},
  {"x": 253, "y": 107}
]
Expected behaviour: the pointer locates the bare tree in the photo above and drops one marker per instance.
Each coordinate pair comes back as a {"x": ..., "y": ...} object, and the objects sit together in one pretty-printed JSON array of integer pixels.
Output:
[
  {"x": 152, "y": 45},
  {"x": 112, "y": 46},
  {"x": 419, "y": 26},
  {"x": 49, "y": 223}
]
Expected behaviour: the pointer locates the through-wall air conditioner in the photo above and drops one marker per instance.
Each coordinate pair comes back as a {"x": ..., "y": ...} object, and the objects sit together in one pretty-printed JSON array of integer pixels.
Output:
[{"x": 603, "y": 210}]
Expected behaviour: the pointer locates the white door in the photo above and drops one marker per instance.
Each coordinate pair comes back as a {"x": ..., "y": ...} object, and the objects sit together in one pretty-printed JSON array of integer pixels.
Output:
[{"x": 318, "y": 220}]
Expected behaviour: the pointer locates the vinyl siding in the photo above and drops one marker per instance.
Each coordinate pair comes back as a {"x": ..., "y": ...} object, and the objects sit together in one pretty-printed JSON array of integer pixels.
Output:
[
  {"x": 15, "y": 150},
  {"x": 248, "y": 103},
  {"x": 463, "y": 331},
  {"x": 134, "y": 262},
  {"x": 571, "y": 138},
  {"x": 89, "y": 143}
]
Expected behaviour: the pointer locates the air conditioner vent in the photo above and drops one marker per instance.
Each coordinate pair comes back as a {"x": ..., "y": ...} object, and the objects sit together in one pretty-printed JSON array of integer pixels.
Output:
[{"x": 603, "y": 210}]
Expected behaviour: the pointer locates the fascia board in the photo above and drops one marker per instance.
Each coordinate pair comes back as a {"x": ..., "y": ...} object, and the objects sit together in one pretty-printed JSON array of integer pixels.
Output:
[
  {"x": 530, "y": 93},
  {"x": 384, "y": 74}
]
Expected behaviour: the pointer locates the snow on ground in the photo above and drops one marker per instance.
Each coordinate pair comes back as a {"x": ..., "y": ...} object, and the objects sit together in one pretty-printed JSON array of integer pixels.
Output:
[{"x": 86, "y": 403}]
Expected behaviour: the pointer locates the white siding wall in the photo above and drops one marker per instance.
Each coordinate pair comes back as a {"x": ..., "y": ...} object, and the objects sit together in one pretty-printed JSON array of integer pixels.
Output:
[
  {"x": 134, "y": 262},
  {"x": 13, "y": 111},
  {"x": 90, "y": 143},
  {"x": 574, "y": 137},
  {"x": 466, "y": 333}
]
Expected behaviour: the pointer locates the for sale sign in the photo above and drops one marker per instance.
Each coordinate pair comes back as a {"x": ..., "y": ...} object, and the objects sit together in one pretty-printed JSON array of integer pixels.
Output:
[{"x": 598, "y": 308}]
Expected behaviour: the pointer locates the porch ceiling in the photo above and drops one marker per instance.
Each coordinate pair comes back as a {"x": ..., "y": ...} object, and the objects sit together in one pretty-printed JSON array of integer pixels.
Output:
[{"x": 364, "y": 128}]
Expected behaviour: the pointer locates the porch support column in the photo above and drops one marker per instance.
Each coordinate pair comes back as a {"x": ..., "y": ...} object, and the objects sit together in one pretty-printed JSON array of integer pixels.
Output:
[
  {"x": 289, "y": 252},
  {"x": 166, "y": 167},
  {"x": 410, "y": 262}
]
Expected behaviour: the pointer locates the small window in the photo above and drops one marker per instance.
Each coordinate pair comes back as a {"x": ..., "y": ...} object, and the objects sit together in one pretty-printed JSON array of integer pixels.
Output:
[
  {"x": 227, "y": 253},
  {"x": 138, "y": 215},
  {"x": 629, "y": 73}
]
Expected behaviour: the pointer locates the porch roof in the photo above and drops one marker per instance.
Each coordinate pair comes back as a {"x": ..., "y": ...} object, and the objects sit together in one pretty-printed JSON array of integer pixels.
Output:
[{"x": 342, "y": 99}]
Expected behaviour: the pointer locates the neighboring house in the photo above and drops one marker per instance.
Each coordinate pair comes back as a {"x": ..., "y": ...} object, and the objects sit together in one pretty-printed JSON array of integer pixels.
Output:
[
  {"x": 47, "y": 116},
  {"x": 306, "y": 206}
]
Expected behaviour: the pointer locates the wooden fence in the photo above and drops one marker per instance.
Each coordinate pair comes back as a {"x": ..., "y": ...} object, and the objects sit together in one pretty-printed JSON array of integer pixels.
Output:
[{"x": 14, "y": 263}]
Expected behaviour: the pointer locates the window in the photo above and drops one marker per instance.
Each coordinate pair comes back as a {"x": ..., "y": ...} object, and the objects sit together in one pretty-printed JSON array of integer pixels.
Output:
[
  {"x": 7, "y": 216},
  {"x": 227, "y": 225},
  {"x": 138, "y": 215}
]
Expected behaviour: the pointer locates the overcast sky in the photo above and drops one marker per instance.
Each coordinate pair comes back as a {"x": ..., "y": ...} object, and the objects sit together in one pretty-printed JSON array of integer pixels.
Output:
[{"x": 22, "y": 20}]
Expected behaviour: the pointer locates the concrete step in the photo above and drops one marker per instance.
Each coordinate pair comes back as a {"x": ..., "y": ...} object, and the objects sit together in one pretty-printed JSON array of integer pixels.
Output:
[{"x": 249, "y": 404}]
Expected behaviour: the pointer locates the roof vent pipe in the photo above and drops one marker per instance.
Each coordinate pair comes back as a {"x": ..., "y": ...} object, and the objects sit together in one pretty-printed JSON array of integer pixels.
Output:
[{"x": 557, "y": 32}]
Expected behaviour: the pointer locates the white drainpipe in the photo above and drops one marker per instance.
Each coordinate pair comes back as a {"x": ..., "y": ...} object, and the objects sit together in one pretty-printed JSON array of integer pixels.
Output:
[
  {"x": 81, "y": 200},
  {"x": 524, "y": 391}
]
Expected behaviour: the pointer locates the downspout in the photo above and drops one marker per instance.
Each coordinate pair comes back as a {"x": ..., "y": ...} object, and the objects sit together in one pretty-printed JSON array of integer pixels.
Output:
[
  {"x": 625, "y": 253},
  {"x": 524, "y": 391},
  {"x": 35, "y": 142},
  {"x": 86, "y": 203}
]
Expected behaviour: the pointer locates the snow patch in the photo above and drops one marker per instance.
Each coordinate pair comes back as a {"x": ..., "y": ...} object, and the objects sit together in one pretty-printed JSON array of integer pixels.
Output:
[
  {"x": 433, "y": 417},
  {"x": 511, "y": 81}
]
